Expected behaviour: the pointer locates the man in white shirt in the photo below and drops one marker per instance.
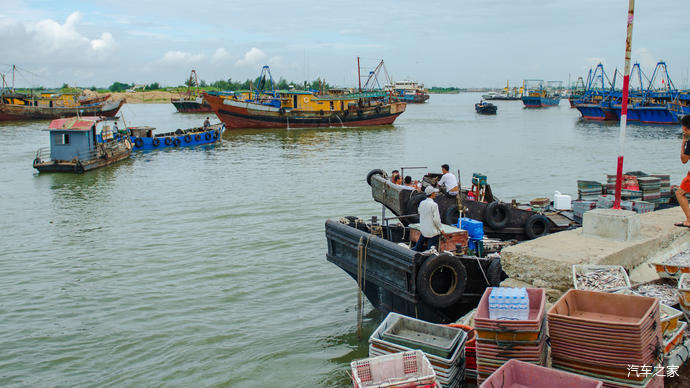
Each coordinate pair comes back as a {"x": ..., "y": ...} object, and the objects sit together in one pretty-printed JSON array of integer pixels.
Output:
[
  {"x": 429, "y": 222},
  {"x": 449, "y": 181}
]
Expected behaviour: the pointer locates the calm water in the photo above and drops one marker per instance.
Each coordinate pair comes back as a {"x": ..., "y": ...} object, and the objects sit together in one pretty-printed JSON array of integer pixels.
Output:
[{"x": 206, "y": 267}]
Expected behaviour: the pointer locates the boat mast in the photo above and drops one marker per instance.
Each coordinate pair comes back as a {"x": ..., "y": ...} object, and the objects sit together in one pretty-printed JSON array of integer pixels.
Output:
[
  {"x": 359, "y": 76},
  {"x": 624, "y": 105}
]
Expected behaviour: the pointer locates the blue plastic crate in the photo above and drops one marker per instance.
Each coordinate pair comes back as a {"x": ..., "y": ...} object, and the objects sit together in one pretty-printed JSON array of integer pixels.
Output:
[{"x": 474, "y": 228}]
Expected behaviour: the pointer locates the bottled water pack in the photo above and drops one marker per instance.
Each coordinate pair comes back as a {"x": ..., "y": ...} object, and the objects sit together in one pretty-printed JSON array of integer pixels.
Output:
[{"x": 507, "y": 303}]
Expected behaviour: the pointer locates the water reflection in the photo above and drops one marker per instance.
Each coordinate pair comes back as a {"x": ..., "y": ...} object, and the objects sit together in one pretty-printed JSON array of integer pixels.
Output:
[{"x": 634, "y": 130}]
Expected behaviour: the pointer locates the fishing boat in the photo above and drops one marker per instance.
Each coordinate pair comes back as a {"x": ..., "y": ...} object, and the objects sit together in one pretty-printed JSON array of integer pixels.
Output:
[
  {"x": 80, "y": 144},
  {"x": 191, "y": 101},
  {"x": 577, "y": 91},
  {"x": 394, "y": 278},
  {"x": 595, "y": 102},
  {"x": 408, "y": 91},
  {"x": 485, "y": 108},
  {"x": 143, "y": 137},
  {"x": 507, "y": 94},
  {"x": 48, "y": 106},
  {"x": 537, "y": 94},
  {"x": 507, "y": 221},
  {"x": 266, "y": 107}
]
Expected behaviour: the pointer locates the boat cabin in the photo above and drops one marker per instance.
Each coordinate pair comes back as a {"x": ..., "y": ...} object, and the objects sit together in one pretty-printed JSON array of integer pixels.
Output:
[{"x": 78, "y": 138}]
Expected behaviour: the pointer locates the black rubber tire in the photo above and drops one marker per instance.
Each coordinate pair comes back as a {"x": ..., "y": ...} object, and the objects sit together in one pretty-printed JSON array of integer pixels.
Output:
[
  {"x": 281, "y": 111},
  {"x": 494, "y": 272},
  {"x": 179, "y": 132},
  {"x": 167, "y": 141},
  {"x": 155, "y": 142},
  {"x": 139, "y": 142},
  {"x": 208, "y": 136},
  {"x": 451, "y": 215},
  {"x": 378, "y": 109},
  {"x": 197, "y": 137},
  {"x": 176, "y": 142},
  {"x": 372, "y": 173},
  {"x": 441, "y": 280},
  {"x": 187, "y": 138},
  {"x": 215, "y": 134},
  {"x": 412, "y": 206},
  {"x": 537, "y": 225},
  {"x": 497, "y": 215}
]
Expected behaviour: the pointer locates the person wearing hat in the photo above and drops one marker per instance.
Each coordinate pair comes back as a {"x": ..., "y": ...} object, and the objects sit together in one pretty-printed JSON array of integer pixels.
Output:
[
  {"x": 429, "y": 222},
  {"x": 207, "y": 123}
]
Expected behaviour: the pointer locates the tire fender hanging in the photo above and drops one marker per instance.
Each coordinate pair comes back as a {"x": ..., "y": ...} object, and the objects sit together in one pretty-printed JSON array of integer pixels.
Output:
[{"x": 441, "y": 280}]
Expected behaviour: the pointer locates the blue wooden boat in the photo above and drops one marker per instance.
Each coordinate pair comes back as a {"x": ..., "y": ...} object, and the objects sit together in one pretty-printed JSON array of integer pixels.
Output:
[
  {"x": 143, "y": 138},
  {"x": 81, "y": 144}
]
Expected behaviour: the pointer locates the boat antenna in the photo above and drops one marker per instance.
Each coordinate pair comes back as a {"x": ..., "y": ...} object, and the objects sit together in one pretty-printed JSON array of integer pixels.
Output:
[{"x": 359, "y": 76}]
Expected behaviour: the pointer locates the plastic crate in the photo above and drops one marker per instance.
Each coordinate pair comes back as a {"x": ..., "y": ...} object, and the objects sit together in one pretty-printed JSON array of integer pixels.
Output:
[
  {"x": 474, "y": 228},
  {"x": 605, "y": 201},
  {"x": 643, "y": 206},
  {"x": 425, "y": 336},
  {"x": 579, "y": 269},
  {"x": 515, "y": 373},
  {"x": 580, "y": 207},
  {"x": 406, "y": 369}
]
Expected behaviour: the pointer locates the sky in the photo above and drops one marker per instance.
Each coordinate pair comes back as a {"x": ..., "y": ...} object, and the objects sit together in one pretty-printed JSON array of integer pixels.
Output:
[{"x": 480, "y": 43}]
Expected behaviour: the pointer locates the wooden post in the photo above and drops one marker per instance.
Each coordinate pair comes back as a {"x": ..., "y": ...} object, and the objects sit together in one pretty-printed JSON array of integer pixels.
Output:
[{"x": 624, "y": 105}]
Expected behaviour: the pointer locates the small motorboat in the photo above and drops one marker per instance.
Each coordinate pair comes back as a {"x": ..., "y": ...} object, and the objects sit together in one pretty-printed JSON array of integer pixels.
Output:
[{"x": 485, "y": 108}]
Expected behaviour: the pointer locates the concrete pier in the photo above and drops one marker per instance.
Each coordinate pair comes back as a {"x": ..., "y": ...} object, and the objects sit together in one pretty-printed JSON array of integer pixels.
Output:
[{"x": 547, "y": 261}]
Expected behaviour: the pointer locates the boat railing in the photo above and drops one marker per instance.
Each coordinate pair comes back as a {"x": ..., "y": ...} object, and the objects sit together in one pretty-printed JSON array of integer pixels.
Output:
[{"x": 43, "y": 154}]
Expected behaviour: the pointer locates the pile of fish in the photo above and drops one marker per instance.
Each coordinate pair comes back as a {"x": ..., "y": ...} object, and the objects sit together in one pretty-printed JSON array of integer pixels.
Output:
[
  {"x": 601, "y": 279},
  {"x": 665, "y": 292}
]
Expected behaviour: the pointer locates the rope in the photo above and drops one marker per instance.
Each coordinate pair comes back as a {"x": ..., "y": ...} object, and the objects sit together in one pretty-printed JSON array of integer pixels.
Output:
[
  {"x": 479, "y": 263},
  {"x": 361, "y": 280}
]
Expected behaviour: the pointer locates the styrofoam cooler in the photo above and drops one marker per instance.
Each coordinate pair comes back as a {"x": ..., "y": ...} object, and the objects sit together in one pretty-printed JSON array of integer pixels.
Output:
[{"x": 561, "y": 201}]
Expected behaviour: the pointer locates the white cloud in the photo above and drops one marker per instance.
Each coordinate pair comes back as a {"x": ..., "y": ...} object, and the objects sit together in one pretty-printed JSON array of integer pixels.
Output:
[
  {"x": 47, "y": 40},
  {"x": 181, "y": 56},
  {"x": 220, "y": 55},
  {"x": 104, "y": 43},
  {"x": 252, "y": 57}
]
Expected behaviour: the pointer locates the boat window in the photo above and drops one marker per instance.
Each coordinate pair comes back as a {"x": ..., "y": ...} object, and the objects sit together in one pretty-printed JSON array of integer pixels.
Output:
[{"x": 62, "y": 139}]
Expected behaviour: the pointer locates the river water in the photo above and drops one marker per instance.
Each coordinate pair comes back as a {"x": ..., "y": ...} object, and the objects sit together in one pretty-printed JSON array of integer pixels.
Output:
[{"x": 207, "y": 267}]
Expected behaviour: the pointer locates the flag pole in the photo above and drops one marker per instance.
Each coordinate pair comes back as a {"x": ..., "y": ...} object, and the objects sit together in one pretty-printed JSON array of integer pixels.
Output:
[{"x": 624, "y": 104}]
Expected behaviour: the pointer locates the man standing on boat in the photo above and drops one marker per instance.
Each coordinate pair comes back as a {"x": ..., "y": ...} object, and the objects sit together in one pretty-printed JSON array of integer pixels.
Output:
[
  {"x": 685, "y": 184},
  {"x": 207, "y": 123},
  {"x": 449, "y": 181},
  {"x": 429, "y": 222}
]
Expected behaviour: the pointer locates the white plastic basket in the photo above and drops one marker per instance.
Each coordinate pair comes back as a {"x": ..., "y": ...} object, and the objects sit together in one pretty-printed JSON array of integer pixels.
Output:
[
  {"x": 582, "y": 268},
  {"x": 406, "y": 369}
]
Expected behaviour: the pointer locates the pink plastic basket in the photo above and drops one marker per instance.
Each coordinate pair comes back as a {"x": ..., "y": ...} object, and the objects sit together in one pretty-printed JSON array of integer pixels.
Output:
[{"x": 399, "y": 370}]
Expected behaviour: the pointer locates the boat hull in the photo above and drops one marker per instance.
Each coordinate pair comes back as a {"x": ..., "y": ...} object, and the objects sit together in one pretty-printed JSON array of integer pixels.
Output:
[
  {"x": 390, "y": 282},
  {"x": 26, "y": 112},
  {"x": 540, "y": 102},
  {"x": 81, "y": 166},
  {"x": 191, "y": 106},
  {"x": 595, "y": 112},
  {"x": 173, "y": 140},
  {"x": 648, "y": 114},
  {"x": 237, "y": 115}
]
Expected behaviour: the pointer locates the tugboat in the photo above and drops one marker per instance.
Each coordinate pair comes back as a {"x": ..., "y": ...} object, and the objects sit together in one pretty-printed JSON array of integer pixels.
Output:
[
  {"x": 81, "y": 144},
  {"x": 485, "y": 108},
  {"x": 143, "y": 138}
]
